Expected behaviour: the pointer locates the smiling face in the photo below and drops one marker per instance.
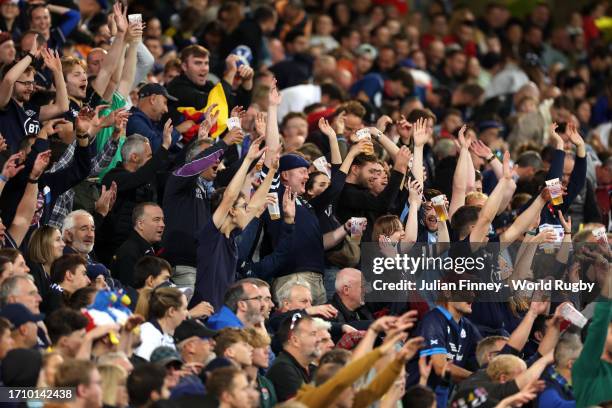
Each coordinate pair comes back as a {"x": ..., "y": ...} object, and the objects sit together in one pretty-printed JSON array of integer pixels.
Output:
[
  {"x": 295, "y": 132},
  {"x": 7, "y": 52},
  {"x": 24, "y": 87},
  {"x": 320, "y": 184},
  {"x": 82, "y": 236},
  {"x": 57, "y": 244},
  {"x": 296, "y": 179},
  {"x": 41, "y": 20},
  {"x": 196, "y": 69}
]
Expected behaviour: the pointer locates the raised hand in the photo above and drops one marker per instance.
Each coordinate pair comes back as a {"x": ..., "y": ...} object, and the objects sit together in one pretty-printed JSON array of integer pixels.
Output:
[
  {"x": 134, "y": 32},
  {"x": 106, "y": 200},
  {"x": 545, "y": 236},
  {"x": 425, "y": 368},
  {"x": 402, "y": 159},
  {"x": 415, "y": 193},
  {"x": 566, "y": 224},
  {"x": 167, "y": 135},
  {"x": 574, "y": 136},
  {"x": 289, "y": 205},
  {"x": 255, "y": 150},
  {"x": 480, "y": 149},
  {"x": 507, "y": 171},
  {"x": 410, "y": 348},
  {"x": 120, "y": 16},
  {"x": 274, "y": 96},
  {"x": 463, "y": 142},
  {"x": 238, "y": 112},
  {"x": 326, "y": 128},
  {"x": 52, "y": 60},
  {"x": 420, "y": 132},
  {"x": 202, "y": 309},
  {"x": 207, "y": 124},
  {"x": 260, "y": 124},
  {"x": 40, "y": 164},
  {"x": 234, "y": 136},
  {"x": 403, "y": 128},
  {"x": 383, "y": 122},
  {"x": 338, "y": 123},
  {"x": 12, "y": 167},
  {"x": 557, "y": 141}
]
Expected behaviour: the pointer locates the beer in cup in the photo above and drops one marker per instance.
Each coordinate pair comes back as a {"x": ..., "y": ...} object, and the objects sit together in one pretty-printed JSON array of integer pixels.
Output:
[
  {"x": 572, "y": 315},
  {"x": 321, "y": 165},
  {"x": 357, "y": 227},
  {"x": 556, "y": 192},
  {"x": 362, "y": 134},
  {"x": 440, "y": 207},
  {"x": 135, "y": 18},
  {"x": 274, "y": 208}
]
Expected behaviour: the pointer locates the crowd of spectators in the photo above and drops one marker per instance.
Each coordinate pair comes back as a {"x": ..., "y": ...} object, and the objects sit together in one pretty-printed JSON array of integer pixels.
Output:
[{"x": 190, "y": 190}]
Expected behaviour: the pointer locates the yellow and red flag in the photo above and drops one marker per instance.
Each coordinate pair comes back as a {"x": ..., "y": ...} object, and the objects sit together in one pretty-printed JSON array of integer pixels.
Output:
[{"x": 216, "y": 95}]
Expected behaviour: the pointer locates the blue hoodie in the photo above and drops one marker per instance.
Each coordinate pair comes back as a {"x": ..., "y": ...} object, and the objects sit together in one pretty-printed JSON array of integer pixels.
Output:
[{"x": 224, "y": 318}]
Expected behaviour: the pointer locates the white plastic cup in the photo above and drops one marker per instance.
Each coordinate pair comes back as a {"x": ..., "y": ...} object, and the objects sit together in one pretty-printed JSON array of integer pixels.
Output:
[
  {"x": 439, "y": 206},
  {"x": 600, "y": 235},
  {"x": 274, "y": 208},
  {"x": 233, "y": 123},
  {"x": 364, "y": 133},
  {"x": 321, "y": 165},
  {"x": 135, "y": 18},
  {"x": 572, "y": 315}
]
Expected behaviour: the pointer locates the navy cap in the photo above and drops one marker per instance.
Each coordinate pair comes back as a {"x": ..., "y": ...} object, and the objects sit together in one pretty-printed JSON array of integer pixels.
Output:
[
  {"x": 155, "y": 89},
  {"x": 192, "y": 328},
  {"x": 292, "y": 161},
  {"x": 489, "y": 124},
  {"x": 18, "y": 314}
]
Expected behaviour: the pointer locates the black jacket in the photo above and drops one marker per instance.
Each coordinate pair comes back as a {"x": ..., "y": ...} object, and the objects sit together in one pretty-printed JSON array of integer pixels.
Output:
[
  {"x": 192, "y": 95},
  {"x": 287, "y": 376},
  {"x": 361, "y": 315},
  {"x": 127, "y": 255},
  {"x": 133, "y": 188}
]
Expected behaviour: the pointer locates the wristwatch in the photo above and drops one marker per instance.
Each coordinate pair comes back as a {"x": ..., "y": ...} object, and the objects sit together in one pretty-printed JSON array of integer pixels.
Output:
[
  {"x": 31, "y": 56},
  {"x": 32, "y": 181}
]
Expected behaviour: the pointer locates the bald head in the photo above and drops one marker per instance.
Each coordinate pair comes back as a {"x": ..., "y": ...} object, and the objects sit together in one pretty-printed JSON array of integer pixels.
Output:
[{"x": 349, "y": 287}]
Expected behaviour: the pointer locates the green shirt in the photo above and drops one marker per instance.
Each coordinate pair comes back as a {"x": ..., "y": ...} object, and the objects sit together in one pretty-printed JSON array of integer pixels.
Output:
[
  {"x": 118, "y": 101},
  {"x": 591, "y": 376}
]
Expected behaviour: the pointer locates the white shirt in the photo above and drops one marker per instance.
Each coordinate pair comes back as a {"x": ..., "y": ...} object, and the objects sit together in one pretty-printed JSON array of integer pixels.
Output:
[{"x": 151, "y": 339}]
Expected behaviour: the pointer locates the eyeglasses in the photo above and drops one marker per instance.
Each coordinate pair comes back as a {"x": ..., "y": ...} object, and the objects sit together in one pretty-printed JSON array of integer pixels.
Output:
[
  {"x": 27, "y": 83},
  {"x": 243, "y": 206},
  {"x": 258, "y": 298}
]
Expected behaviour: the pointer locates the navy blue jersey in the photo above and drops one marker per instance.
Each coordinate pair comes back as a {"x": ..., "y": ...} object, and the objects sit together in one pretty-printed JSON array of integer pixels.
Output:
[
  {"x": 16, "y": 122},
  {"x": 443, "y": 335}
]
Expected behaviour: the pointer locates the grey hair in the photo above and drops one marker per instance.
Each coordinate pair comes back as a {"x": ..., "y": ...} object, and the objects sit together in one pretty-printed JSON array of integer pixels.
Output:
[
  {"x": 69, "y": 220},
  {"x": 344, "y": 277},
  {"x": 9, "y": 287},
  {"x": 284, "y": 292},
  {"x": 321, "y": 324},
  {"x": 530, "y": 158},
  {"x": 133, "y": 144},
  {"x": 568, "y": 348},
  {"x": 197, "y": 148}
]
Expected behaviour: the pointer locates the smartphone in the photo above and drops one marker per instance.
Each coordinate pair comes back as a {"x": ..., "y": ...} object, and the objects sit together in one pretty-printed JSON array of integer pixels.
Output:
[{"x": 135, "y": 18}]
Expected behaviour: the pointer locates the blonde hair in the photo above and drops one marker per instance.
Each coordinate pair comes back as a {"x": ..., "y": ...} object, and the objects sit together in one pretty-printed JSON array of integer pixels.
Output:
[
  {"x": 154, "y": 303},
  {"x": 257, "y": 338},
  {"x": 40, "y": 248},
  {"x": 386, "y": 225},
  {"x": 474, "y": 196},
  {"x": 505, "y": 364},
  {"x": 112, "y": 377}
]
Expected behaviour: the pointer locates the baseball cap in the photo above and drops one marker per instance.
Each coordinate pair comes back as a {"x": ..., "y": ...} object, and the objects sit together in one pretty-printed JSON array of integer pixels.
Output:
[
  {"x": 292, "y": 161},
  {"x": 155, "y": 89},
  {"x": 489, "y": 124},
  {"x": 192, "y": 328},
  {"x": 20, "y": 367},
  {"x": 164, "y": 355},
  {"x": 18, "y": 314},
  {"x": 367, "y": 50}
]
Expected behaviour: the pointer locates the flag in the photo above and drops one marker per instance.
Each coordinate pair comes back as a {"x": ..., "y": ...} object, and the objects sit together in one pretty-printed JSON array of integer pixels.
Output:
[{"x": 216, "y": 95}]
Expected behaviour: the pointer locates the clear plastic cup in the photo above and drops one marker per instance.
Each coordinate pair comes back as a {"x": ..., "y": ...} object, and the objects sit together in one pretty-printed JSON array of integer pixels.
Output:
[
  {"x": 274, "y": 208},
  {"x": 572, "y": 315},
  {"x": 357, "y": 227},
  {"x": 364, "y": 133},
  {"x": 556, "y": 192},
  {"x": 439, "y": 206},
  {"x": 321, "y": 165}
]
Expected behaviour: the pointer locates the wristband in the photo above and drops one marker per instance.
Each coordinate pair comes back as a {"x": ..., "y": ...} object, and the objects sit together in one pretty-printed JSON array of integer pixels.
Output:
[
  {"x": 31, "y": 56},
  {"x": 4, "y": 178},
  {"x": 490, "y": 159},
  {"x": 32, "y": 181}
]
